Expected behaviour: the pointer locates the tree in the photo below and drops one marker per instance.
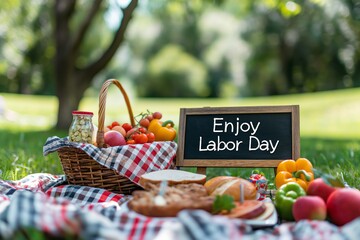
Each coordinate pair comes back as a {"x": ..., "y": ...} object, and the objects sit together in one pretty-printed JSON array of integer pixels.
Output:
[
  {"x": 71, "y": 79},
  {"x": 185, "y": 50},
  {"x": 299, "y": 47}
]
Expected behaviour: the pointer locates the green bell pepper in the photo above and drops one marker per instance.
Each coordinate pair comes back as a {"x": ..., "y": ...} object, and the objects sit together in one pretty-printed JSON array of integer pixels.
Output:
[{"x": 285, "y": 197}]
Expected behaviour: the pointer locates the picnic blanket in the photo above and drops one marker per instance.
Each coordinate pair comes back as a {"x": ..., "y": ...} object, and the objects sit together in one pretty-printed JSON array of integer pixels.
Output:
[
  {"x": 130, "y": 161},
  {"x": 42, "y": 202}
]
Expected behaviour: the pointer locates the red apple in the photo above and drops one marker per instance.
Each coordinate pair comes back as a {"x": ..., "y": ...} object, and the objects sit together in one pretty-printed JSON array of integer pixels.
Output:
[
  {"x": 318, "y": 187},
  {"x": 343, "y": 205},
  {"x": 114, "y": 138},
  {"x": 309, "y": 207}
]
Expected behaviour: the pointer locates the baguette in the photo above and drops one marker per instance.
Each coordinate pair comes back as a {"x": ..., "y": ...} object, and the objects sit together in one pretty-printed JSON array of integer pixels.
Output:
[{"x": 172, "y": 176}]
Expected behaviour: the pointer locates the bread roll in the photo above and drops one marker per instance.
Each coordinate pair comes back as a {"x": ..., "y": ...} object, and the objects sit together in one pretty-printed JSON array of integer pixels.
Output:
[{"x": 231, "y": 186}]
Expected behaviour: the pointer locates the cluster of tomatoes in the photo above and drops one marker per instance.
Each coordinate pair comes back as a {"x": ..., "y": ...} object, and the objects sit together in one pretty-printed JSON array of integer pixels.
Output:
[{"x": 138, "y": 134}]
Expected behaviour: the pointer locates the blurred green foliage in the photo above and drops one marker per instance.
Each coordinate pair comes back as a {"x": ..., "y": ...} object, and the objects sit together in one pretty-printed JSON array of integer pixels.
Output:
[{"x": 196, "y": 48}]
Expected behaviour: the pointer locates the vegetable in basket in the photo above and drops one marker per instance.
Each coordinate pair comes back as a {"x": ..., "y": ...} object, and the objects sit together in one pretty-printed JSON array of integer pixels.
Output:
[{"x": 164, "y": 131}]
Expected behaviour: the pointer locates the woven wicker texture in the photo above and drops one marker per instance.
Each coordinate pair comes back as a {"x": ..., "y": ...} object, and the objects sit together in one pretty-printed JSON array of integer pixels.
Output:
[{"x": 81, "y": 169}]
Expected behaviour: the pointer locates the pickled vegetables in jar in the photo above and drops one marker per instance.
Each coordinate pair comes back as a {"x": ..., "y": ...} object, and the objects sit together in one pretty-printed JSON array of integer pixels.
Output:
[{"x": 81, "y": 128}]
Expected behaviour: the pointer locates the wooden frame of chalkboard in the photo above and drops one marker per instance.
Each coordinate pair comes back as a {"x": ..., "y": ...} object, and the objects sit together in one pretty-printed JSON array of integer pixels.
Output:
[{"x": 254, "y": 136}]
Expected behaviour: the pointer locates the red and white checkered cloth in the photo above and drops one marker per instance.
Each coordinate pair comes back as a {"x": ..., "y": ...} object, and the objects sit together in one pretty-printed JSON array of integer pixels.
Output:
[
  {"x": 130, "y": 161},
  {"x": 41, "y": 202}
]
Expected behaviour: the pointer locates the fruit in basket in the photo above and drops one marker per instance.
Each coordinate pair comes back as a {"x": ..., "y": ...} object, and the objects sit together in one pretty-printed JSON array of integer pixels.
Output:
[
  {"x": 343, "y": 205},
  {"x": 150, "y": 136},
  {"x": 144, "y": 122},
  {"x": 127, "y": 126},
  {"x": 120, "y": 129},
  {"x": 147, "y": 117},
  {"x": 131, "y": 131},
  {"x": 139, "y": 135},
  {"x": 140, "y": 138},
  {"x": 114, "y": 138},
  {"x": 309, "y": 207},
  {"x": 231, "y": 186},
  {"x": 318, "y": 187},
  {"x": 157, "y": 115},
  {"x": 150, "y": 117},
  {"x": 114, "y": 124}
]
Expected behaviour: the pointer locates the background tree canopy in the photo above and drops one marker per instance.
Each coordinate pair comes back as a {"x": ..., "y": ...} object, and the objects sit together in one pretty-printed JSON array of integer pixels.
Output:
[{"x": 180, "y": 48}]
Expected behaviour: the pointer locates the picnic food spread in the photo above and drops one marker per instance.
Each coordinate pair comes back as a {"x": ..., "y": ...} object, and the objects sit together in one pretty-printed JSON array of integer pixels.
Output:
[
  {"x": 136, "y": 159},
  {"x": 186, "y": 190},
  {"x": 73, "y": 211},
  {"x": 181, "y": 196}
]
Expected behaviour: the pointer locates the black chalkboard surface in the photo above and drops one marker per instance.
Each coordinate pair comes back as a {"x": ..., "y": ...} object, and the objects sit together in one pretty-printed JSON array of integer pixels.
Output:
[{"x": 238, "y": 136}]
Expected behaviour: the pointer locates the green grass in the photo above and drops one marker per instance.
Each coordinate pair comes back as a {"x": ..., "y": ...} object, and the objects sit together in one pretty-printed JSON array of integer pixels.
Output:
[
  {"x": 21, "y": 153},
  {"x": 329, "y": 128}
]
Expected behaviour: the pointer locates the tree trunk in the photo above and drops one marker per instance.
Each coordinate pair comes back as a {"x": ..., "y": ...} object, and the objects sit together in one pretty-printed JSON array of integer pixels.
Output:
[
  {"x": 72, "y": 82},
  {"x": 69, "y": 97},
  {"x": 286, "y": 62}
]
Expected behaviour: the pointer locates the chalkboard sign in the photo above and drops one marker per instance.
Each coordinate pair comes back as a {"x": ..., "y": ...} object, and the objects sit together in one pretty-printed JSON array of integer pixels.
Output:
[{"x": 260, "y": 136}]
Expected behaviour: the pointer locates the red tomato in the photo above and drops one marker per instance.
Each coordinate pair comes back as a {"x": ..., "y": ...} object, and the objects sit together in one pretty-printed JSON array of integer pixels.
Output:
[
  {"x": 157, "y": 115},
  {"x": 127, "y": 126},
  {"x": 151, "y": 137},
  {"x": 141, "y": 138},
  {"x": 144, "y": 122},
  {"x": 115, "y": 123},
  {"x": 150, "y": 117},
  {"x": 142, "y": 130},
  {"x": 135, "y": 135},
  {"x": 130, "y": 141}
]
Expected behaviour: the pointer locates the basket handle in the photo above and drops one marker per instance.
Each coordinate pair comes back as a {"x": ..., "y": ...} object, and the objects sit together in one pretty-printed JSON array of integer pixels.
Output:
[{"x": 102, "y": 104}]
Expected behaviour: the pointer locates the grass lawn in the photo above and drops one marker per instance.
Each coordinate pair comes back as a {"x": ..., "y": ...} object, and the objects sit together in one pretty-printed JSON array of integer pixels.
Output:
[{"x": 329, "y": 128}]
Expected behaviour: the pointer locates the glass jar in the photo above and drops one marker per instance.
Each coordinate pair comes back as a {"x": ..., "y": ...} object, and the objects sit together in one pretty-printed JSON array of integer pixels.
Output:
[{"x": 81, "y": 128}]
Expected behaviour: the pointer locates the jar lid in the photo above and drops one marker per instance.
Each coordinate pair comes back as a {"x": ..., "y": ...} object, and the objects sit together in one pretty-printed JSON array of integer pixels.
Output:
[{"x": 82, "y": 113}]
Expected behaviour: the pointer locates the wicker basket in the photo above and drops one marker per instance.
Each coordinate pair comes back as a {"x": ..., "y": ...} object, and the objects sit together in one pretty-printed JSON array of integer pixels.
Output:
[{"x": 81, "y": 169}]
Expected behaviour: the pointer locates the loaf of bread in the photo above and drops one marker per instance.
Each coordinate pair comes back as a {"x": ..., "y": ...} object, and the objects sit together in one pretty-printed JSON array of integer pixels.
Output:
[
  {"x": 172, "y": 177},
  {"x": 176, "y": 198},
  {"x": 231, "y": 186}
]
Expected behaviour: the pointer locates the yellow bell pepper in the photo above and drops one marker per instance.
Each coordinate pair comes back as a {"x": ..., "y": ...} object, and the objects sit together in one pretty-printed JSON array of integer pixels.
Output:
[
  {"x": 299, "y": 171},
  {"x": 163, "y": 131}
]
